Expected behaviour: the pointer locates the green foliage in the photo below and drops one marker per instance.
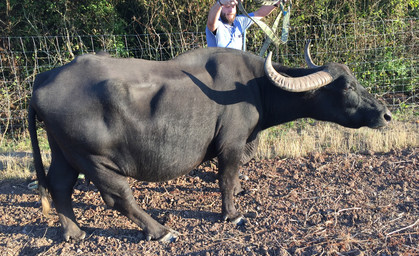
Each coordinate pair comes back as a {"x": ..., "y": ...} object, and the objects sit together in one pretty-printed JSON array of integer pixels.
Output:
[
  {"x": 60, "y": 17},
  {"x": 406, "y": 113},
  {"x": 390, "y": 74},
  {"x": 306, "y": 12}
]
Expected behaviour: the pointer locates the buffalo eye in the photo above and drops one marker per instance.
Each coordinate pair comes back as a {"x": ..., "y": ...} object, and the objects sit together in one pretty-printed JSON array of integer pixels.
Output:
[
  {"x": 351, "y": 96},
  {"x": 350, "y": 86}
]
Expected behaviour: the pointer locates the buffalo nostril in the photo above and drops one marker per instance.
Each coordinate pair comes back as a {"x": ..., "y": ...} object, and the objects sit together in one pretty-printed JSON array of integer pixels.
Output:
[{"x": 387, "y": 116}]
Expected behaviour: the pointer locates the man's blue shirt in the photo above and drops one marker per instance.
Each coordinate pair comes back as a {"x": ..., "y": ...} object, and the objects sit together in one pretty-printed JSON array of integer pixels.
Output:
[{"x": 230, "y": 36}]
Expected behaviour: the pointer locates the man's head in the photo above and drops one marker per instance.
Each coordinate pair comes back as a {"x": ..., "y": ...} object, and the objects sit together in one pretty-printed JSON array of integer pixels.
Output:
[{"x": 228, "y": 13}]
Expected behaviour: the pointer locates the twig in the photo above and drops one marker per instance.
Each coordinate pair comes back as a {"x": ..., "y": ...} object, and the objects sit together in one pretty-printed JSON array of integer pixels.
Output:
[
  {"x": 410, "y": 226},
  {"x": 349, "y": 209},
  {"x": 402, "y": 162},
  {"x": 400, "y": 216},
  {"x": 342, "y": 210}
]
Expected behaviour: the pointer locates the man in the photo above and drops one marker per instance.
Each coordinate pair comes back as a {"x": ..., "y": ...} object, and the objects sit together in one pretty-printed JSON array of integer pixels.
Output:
[{"x": 225, "y": 29}]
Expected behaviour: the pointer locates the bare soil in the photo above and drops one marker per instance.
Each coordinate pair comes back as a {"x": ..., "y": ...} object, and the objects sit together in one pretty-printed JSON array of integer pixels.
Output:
[{"x": 339, "y": 204}]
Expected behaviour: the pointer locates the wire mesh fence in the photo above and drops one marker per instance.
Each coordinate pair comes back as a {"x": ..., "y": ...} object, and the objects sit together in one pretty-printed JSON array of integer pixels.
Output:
[{"x": 383, "y": 55}]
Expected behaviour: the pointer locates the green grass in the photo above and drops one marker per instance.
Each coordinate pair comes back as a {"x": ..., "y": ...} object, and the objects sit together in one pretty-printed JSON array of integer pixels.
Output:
[{"x": 290, "y": 140}]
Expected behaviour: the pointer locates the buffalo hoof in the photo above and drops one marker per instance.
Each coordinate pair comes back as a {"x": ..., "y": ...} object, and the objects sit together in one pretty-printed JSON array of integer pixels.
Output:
[
  {"x": 243, "y": 176},
  {"x": 170, "y": 237},
  {"x": 239, "y": 220},
  {"x": 75, "y": 235}
]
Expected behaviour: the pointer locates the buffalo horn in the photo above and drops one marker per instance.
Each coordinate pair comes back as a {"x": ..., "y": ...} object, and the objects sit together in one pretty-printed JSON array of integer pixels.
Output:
[{"x": 296, "y": 84}]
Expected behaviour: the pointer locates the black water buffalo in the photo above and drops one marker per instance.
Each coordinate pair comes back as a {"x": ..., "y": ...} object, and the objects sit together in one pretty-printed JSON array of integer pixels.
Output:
[{"x": 110, "y": 118}]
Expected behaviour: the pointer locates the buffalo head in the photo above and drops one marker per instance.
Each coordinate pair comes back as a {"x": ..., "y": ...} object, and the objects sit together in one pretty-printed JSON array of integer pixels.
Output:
[{"x": 337, "y": 95}]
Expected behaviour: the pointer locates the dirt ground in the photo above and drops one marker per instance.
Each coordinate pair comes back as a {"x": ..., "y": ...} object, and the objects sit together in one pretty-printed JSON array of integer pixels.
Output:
[{"x": 338, "y": 204}]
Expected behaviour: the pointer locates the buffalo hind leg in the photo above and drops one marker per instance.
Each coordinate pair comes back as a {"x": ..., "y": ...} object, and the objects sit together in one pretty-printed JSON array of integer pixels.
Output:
[
  {"x": 117, "y": 194},
  {"x": 61, "y": 179}
]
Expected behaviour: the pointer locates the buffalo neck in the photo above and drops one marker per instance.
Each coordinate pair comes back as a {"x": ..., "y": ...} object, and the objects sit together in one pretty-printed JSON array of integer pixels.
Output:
[{"x": 281, "y": 106}]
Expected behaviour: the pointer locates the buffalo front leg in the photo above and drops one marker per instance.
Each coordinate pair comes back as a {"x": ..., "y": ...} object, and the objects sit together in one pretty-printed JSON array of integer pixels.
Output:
[
  {"x": 230, "y": 186},
  {"x": 117, "y": 194}
]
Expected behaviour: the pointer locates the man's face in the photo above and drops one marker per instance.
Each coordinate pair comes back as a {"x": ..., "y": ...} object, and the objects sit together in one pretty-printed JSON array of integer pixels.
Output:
[{"x": 228, "y": 14}]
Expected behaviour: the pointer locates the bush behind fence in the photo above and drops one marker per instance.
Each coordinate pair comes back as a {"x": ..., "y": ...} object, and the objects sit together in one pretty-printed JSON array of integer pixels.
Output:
[{"x": 383, "y": 55}]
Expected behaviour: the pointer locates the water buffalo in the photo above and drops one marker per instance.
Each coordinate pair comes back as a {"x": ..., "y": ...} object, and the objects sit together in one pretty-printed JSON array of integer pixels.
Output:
[{"x": 112, "y": 118}]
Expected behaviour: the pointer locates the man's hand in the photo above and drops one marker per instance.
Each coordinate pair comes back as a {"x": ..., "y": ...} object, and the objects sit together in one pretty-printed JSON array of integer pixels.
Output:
[
  {"x": 228, "y": 2},
  {"x": 280, "y": 2}
]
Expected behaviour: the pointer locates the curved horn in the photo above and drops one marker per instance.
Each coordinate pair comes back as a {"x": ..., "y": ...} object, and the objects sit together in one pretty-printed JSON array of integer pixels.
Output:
[
  {"x": 296, "y": 84},
  {"x": 307, "y": 55}
]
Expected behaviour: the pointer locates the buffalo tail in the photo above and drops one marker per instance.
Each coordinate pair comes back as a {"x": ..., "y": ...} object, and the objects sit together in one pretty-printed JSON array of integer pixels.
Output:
[{"x": 39, "y": 166}]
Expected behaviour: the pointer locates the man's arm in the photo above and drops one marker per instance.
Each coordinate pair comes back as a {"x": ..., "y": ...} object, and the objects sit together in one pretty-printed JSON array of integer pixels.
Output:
[
  {"x": 213, "y": 16},
  {"x": 265, "y": 10},
  {"x": 214, "y": 13}
]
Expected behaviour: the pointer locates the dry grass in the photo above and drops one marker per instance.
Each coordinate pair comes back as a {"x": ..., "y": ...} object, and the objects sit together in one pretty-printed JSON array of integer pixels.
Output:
[
  {"x": 15, "y": 165},
  {"x": 305, "y": 137},
  {"x": 18, "y": 165},
  {"x": 16, "y": 160}
]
